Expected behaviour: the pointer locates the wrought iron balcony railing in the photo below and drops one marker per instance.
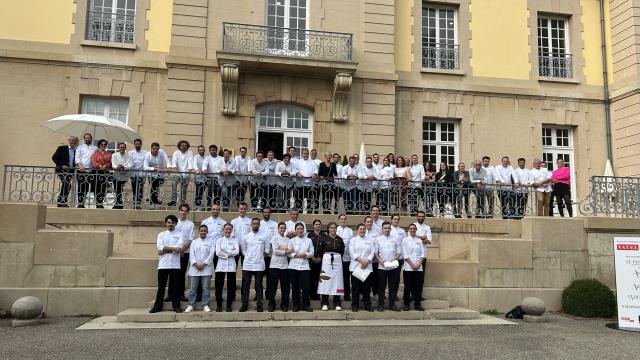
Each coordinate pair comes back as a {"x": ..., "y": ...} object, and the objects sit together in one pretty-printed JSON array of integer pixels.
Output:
[
  {"x": 555, "y": 65},
  {"x": 110, "y": 27},
  {"x": 446, "y": 57},
  {"x": 613, "y": 196},
  {"x": 299, "y": 43}
]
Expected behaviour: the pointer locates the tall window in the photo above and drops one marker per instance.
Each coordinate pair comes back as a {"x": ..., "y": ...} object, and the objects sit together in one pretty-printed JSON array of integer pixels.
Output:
[
  {"x": 282, "y": 126},
  {"x": 287, "y": 22},
  {"x": 111, "y": 20},
  {"x": 439, "y": 38},
  {"x": 557, "y": 142},
  {"x": 440, "y": 142},
  {"x": 116, "y": 109},
  {"x": 554, "y": 59}
]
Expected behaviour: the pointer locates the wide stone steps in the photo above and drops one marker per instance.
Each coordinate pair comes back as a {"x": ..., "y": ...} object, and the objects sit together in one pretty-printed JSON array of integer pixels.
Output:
[
  {"x": 138, "y": 315},
  {"x": 315, "y": 304}
]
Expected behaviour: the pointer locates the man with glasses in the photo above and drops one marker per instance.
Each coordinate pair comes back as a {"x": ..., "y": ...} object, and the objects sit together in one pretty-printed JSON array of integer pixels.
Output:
[{"x": 64, "y": 159}]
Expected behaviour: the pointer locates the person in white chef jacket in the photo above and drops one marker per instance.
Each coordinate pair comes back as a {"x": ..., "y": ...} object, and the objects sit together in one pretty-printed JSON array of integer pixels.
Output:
[
  {"x": 253, "y": 247},
  {"x": 186, "y": 227},
  {"x": 200, "y": 269},
  {"x": 423, "y": 232},
  {"x": 361, "y": 250},
  {"x": 299, "y": 270},
  {"x": 169, "y": 245},
  {"x": 388, "y": 250},
  {"x": 227, "y": 248},
  {"x": 414, "y": 253},
  {"x": 346, "y": 234},
  {"x": 182, "y": 165},
  {"x": 216, "y": 225},
  {"x": 279, "y": 269}
]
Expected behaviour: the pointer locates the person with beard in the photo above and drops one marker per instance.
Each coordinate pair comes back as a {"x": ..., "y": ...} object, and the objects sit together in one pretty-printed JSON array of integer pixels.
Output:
[
  {"x": 253, "y": 247},
  {"x": 169, "y": 245},
  {"x": 86, "y": 181},
  {"x": 317, "y": 236}
]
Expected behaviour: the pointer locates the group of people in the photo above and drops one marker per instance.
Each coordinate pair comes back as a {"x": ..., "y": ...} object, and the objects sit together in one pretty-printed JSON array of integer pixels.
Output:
[
  {"x": 393, "y": 183},
  {"x": 335, "y": 261}
]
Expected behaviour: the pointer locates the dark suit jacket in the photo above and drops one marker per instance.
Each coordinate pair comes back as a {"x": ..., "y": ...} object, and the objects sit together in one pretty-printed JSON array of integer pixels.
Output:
[
  {"x": 456, "y": 179},
  {"x": 61, "y": 157}
]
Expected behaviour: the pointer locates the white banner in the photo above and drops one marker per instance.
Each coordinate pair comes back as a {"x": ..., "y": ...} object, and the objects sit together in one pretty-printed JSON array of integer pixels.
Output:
[{"x": 627, "y": 267}]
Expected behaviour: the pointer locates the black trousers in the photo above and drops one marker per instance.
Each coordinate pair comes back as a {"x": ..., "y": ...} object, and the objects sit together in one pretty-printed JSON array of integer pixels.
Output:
[
  {"x": 360, "y": 288},
  {"x": 165, "y": 275},
  {"x": 329, "y": 194},
  {"x": 507, "y": 202},
  {"x": 137, "y": 186},
  {"x": 444, "y": 196},
  {"x": 258, "y": 195},
  {"x": 429, "y": 200},
  {"x": 239, "y": 190},
  {"x": 374, "y": 278},
  {"x": 213, "y": 192},
  {"x": 346, "y": 276},
  {"x": 85, "y": 185},
  {"x": 364, "y": 201},
  {"x": 102, "y": 178},
  {"x": 311, "y": 193},
  {"x": 265, "y": 274},
  {"x": 155, "y": 190},
  {"x": 351, "y": 197},
  {"x": 413, "y": 282},
  {"x": 563, "y": 198},
  {"x": 382, "y": 200},
  {"x": 299, "y": 288},
  {"x": 65, "y": 187},
  {"x": 521, "y": 199},
  {"x": 231, "y": 287},
  {"x": 246, "y": 285},
  {"x": 200, "y": 191},
  {"x": 415, "y": 198},
  {"x": 387, "y": 277},
  {"x": 119, "y": 185},
  {"x": 460, "y": 195},
  {"x": 278, "y": 276},
  {"x": 315, "y": 279}
]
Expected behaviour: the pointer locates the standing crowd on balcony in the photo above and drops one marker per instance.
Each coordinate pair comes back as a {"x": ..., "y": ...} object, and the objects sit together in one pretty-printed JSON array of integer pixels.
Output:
[{"x": 394, "y": 183}]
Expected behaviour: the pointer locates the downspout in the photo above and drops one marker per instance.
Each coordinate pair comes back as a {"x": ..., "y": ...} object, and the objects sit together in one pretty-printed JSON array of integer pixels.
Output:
[{"x": 605, "y": 82}]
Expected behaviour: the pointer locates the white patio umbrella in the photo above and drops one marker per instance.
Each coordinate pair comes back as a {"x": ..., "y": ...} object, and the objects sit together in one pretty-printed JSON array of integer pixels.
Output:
[
  {"x": 99, "y": 126},
  {"x": 363, "y": 155}
]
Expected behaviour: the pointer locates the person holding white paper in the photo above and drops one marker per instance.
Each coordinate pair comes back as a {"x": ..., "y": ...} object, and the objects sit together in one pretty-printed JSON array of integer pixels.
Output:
[
  {"x": 299, "y": 269},
  {"x": 201, "y": 268},
  {"x": 387, "y": 250},
  {"x": 414, "y": 253},
  {"x": 361, "y": 249}
]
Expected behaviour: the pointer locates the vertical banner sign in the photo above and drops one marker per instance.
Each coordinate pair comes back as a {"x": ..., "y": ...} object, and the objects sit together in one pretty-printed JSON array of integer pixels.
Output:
[{"x": 627, "y": 267}]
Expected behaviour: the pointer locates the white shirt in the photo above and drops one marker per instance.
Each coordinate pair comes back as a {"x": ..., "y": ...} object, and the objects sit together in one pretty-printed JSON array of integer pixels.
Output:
[
  {"x": 229, "y": 166},
  {"x": 417, "y": 175},
  {"x": 258, "y": 169},
  {"x": 300, "y": 244},
  {"x": 361, "y": 248},
  {"x": 212, "y": 165},
  {"x": 215, "y": 226},
  {"x": 538, "y": 175},
  {"x": 279, "y": 244},
  {"x": 160, "y": 161},
  {"x": 182, "y": 161},
  {"x": 398, "y": 234},
  {"x": 412, "y": 249},
  {"x": 242, "y": 164},
  {"x": 423, "y": 229},
  {"x": 227, "y": 248},
  {"x": 125, "y": 160},
  {"x": 505, "y": 175},
  {"x": 346, "y": 234},
  {"x": 253, "y": 247},
  {"x": 137, "y": 161},
  {"x": 291, "y": 226},
  {"x": 171, "y": 239},
  {"x": 198, "y": 162},
  {"x": 365, "y": 173},
  {"x": 491, "y": 176},
  {"x": 186, "y": 229},
  {"x": 202, "y": 251},
  {"x": 241, "y": 227},
  {"x": 385, "y": 173},
  {"x": 387, "y": 248},
  {"x": 268, "y": 228},
  {"x": 83, "y": 155},
  {"x": 377, "y": 227},
  {"x": 307, "y": 168},
  {"x": 524, "y": 178},
  {"x": 282, "y": 167}
]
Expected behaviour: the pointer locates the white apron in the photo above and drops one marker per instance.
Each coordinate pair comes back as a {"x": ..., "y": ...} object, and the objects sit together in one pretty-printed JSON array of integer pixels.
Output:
[{"x": 331, "y": 282}]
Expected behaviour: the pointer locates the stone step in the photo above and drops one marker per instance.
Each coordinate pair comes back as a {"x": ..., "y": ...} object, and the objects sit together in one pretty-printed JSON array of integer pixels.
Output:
[{"x": 143, "y": 315}]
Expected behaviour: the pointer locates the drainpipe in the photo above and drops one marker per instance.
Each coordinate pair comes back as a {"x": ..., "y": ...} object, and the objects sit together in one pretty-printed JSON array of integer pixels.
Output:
[{"x": 605, "y": 81}]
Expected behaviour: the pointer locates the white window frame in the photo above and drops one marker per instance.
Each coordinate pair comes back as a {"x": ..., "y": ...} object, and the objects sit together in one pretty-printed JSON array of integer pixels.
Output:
[
  {"x": 561, "y": 55},
  {"x": 284, "y": 128},
  {"x": 441, "y": 46},
  {"x": 107, "y": 105},
  {"x": 438, "y": 142},
  {"x": 287, "y": 30},
  {"x": 119, "y": 16},
  {"x": 556, "y": 150}
]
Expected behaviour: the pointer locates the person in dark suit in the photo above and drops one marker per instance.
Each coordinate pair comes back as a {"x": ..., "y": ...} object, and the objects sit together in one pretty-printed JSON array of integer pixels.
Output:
[
  {"x": 65, "y": 158},
  {"x": 461, "y": 181}
]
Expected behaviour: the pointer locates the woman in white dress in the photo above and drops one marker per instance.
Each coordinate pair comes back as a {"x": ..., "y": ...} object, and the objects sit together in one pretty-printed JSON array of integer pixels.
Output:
[{"x": 399, "y": 189}]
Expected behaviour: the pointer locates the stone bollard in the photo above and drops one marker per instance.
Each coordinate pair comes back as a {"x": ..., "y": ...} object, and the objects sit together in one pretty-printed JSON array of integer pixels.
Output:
[
  {"x": 533, "y": 308},
  {"x": 27, "y": 310}
]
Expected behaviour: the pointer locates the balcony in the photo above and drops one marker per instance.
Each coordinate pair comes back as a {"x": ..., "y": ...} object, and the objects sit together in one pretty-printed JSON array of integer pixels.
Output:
[
  {"x": 441, "y": 56},
  {"x": 290, "y": 50},
  {"x": 555, "y": 66},
  {"x": 109, "y": 27}
]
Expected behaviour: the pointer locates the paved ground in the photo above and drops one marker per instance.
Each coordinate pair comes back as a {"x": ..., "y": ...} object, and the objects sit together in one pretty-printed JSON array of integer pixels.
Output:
[{"x": 561, "y": 338}]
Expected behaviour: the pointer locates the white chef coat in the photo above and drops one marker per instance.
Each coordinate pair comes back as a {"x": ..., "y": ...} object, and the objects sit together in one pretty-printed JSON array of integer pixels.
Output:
[
  {"x": 300, "y": 244},
  {"x": 307, "y": 168},
  {"x": 346, "y": 234},
  {"x": 258, "y": 171},
  {"x": 538, "y": 175},
  {"x": 182, "y": 162},
  {"x": 412, "y": 249},
  {"x": 241, "y": 227},
  {"x": 173, "y": 239},
  {"x": 505, "y": 175},
  {"x": 361, "y": 248},
  {"x": 151, "y": 163},
  {"x": 491, "y": 177},
  {"x": 227, "y": 248},
  {"x": 423, "y": 229},
  {"x": 198, "y": 164},
  {"x": 524, "y": 178},
  {"x": 202, "y": 251},
  {"x": 84, "y": 153},
  {"x": 417, "y": 176},
  {"x": 278, "y": 258},
  {"x": 215, "y": 226},
  {"x": 125, "y": 160},
  {"x": 186, "y": 229},
  {"x": 253, "y": 247},
  {"x": 398, "y": 234},
  {"x": 364, "y": 173},
  {"x": 291, "y": 226},
  {"x": 387, "y": 248},
  {"x": 269, "y": 228},
  {"x": 137, "y": 160}
]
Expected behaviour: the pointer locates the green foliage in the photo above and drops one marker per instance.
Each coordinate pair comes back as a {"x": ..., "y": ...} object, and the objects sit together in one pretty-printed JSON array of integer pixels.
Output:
[
  {"x": 491, "y": 312},
  {"x": 588, "y": 298}
]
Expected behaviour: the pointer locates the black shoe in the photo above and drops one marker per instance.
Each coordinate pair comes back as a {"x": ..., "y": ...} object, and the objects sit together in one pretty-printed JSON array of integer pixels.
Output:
[
  {"x": 80, "y": 206},
  {"x": 259, "y": 308},
  {"x": 315, "y": 298},
  {"x": 154, "y": 310},
  {"x": 184, "y": 299},
  {"x": 177, "y": 309},
  {"x": 369, "y": 308},
  {"x": 167, "y": 299},
  {"x": 308, "y": 309},
  {"x": 171, "y": 203},
  {"x": 354, "y": 309},
  {"x": 393, "y": 308},
  {"x": 347, "y": 298},
  {"x": 419, "y": 308},
  {"x": 296, "y": 309},
  {"x": 219, "y": 309},
  {"x": 229, "y": 309},
  {"x": 244, "y": 308},
  {"x": 63, "y": 205},
  {"x": 406, "y": 308},
  {"x": 271, "y": 308},
  {"x": 380, "y": 308}
]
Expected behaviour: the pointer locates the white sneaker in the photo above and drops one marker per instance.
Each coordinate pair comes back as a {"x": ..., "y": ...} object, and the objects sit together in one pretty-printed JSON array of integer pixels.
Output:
[
  {"x": 206, "y": 308},
  {"x": 338, "y": 308},
  {"x": 325, "y": 308},
  {"x": 189, "y": 309}
]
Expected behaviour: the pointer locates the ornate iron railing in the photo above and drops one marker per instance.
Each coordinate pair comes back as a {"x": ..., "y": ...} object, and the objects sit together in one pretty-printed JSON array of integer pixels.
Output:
[
  {"x": 557, "y": 66},
  {"x": 110, "y": 27},
  {"x": 445, "y": 57},
  {"x": 301, "y": 43},
  {"x": 158, "y": 190},
  {"x": 612, "y": 196}
]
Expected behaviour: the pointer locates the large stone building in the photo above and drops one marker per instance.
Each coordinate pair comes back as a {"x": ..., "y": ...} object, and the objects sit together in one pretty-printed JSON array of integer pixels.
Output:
[{"x": 450, "y": 80}]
